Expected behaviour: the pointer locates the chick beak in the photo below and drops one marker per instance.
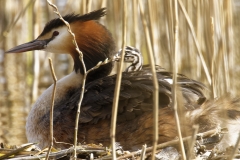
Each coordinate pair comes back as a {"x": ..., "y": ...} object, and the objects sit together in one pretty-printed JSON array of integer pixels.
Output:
[{"x": 29, "y": 46}]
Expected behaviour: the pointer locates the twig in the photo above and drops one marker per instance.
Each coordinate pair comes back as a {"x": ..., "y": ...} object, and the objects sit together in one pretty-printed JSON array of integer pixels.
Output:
[
  {"x": 84, "y": 76},
  {"x": 159, "y": 146},
  {"x": 14, "y": 152},
  {"x": 100, "y": 151},
  {"x": 86, "y": 151},
  {"x": 52, "y": 106},
  {"x": 118, "y": 84},
  {"x": 55, "y": 142},
  {"x": 170, "y": 143},
  {"x": 209, "y": 133},
  {"x": 100, "y": 64},
  {"x": 154, "y": 79},
  {"x": 196, "y": 42},
  {"x": 4, "y": 151},
  {"x": 144, "y": 147}
]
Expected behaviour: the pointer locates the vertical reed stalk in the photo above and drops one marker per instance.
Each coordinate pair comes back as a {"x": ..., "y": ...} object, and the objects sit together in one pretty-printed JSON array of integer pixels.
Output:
[
  {"x": 118, "y": 83},
  {"x": 174, "y": 86},
  {"x": 154, "y": 79}
]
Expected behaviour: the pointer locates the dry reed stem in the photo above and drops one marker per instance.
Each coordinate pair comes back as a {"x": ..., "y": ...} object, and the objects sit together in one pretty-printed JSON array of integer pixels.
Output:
[
  {"x": 84, "y": 76},
  {"x": 192, "y": 141},
  {"x": 52, "y": 106},
  {"x": 144, "y": 147},
  {"x": 195, "y": 41},
  {"x": 118, "y": 83},
  {"x": 89, "y": 5},
  {"x": 230, "y": 43},
  {"x": 169, "y": 29},
  {"x": 149, "y": 3},
  {"x": 214, "y": 94},
  {"x": 84, "y": 6},
  {"x": 104, "y": 3},
  {"x": 222, "y": 18},
  {"x": 174, "y": 86},
  {"x": 135, "y": 23},
  {"x": 154, "y": 79}
]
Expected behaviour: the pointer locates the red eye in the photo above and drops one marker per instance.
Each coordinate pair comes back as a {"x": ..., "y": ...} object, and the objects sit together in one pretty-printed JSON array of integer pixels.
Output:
[{"x": 55, "y": 33}]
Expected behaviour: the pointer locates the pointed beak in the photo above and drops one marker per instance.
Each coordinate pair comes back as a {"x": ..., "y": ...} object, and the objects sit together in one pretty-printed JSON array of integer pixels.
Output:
[{"x": 30, "y": 46}]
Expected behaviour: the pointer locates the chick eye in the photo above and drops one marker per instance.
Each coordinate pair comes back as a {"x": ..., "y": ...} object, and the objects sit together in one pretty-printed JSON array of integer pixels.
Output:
[{"x": 55, "y": 33}]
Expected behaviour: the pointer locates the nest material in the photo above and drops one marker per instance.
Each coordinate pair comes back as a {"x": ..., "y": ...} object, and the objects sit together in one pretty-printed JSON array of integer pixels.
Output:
[{"x": 203, "y": 148}]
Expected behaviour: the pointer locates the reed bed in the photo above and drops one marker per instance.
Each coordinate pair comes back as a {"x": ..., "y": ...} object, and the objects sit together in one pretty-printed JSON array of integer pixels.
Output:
[{"x": 208, "y": 47}]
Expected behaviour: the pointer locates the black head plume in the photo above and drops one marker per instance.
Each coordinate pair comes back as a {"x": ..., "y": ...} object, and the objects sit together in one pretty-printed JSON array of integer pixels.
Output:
[{"x": 55, "y": 23}]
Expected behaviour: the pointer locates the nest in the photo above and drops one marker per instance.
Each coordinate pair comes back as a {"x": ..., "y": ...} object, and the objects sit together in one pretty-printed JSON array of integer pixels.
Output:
[{"x": 200, "y": 146}]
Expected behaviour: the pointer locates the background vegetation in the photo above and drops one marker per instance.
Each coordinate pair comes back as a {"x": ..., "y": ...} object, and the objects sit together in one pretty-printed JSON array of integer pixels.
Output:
[{"x": 24, "y": 76}]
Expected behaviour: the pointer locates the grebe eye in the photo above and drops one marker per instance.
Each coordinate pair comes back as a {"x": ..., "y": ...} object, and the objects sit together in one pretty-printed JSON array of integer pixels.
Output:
[{"x": 55, "y": 33}]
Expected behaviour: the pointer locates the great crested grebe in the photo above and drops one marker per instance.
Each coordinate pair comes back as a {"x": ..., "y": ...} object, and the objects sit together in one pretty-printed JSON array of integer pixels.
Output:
[{"x": 134, "y": 124}]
